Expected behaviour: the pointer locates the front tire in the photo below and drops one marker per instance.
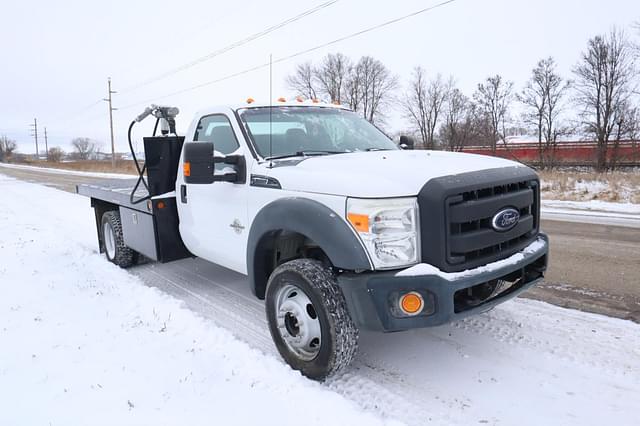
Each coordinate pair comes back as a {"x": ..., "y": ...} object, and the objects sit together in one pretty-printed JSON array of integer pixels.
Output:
[
  {"x": 113, "y": 241},
  {"x": 308, "y": 319}
]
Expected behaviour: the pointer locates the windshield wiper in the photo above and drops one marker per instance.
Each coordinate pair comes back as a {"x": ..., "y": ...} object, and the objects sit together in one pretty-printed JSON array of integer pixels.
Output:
[
  {"x": 377, "y": 149},
  {"x": 304, "y": 154}
]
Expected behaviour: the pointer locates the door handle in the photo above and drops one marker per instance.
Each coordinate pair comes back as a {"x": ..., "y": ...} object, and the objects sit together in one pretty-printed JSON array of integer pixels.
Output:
[{"x": 183, "y": 194}]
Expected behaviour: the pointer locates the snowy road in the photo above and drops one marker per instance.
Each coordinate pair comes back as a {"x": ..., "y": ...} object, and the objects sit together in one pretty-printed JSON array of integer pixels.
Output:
[{"x": 526, "y": 362}]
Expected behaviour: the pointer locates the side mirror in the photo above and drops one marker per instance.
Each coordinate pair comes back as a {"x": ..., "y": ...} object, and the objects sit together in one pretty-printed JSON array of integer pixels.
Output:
[
  {"x": 406, "y": 142},
  {"x": 235, "y": 173},
  {"x": 198, "y": 162},
  {"x": 199, "y": 165}
]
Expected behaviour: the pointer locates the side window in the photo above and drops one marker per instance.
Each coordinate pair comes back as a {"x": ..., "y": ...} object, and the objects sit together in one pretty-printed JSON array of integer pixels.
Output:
[{"x": 217, "y": 129}]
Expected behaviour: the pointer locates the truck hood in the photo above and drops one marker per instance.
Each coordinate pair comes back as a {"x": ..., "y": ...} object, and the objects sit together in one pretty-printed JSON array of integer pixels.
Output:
[{"x": 378, "y": 174}]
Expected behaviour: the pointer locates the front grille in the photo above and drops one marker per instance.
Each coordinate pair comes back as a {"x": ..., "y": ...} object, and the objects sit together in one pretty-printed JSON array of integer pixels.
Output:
[
  {"x": 471, "y": 237},
  {"x": 456, "y": 215}
]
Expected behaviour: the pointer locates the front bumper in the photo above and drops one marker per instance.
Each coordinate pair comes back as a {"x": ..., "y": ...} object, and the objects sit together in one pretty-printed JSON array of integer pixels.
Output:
[{"x": 370, "y": 295}]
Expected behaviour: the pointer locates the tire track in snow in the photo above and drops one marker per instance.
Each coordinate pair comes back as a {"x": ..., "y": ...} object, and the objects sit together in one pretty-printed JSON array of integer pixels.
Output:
[{"x": 366, "y": 382}]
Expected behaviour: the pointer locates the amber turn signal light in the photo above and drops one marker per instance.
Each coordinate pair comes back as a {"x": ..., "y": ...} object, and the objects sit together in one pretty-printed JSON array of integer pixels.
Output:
[
  {"x": 411, "y": 303},
  {"x": 186, "y": 168},
  {"x": 359, "y": 221}
]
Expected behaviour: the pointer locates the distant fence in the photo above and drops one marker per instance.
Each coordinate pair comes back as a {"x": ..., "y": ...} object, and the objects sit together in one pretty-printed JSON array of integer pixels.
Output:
[{"x": 626, "y": 154}]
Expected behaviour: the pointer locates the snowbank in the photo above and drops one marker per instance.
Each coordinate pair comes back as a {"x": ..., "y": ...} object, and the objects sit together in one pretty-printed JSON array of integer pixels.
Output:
[
  {"x": 592, "y": 206},
  {"x": 83, "y": 342},
  {"x": 67, "y": 172}
]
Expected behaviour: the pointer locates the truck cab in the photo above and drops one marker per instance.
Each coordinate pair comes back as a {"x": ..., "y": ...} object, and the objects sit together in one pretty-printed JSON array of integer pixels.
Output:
[{"x": 341, "y": 230}]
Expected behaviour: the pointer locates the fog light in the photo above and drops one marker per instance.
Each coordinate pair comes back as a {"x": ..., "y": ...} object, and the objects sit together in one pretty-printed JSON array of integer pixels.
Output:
[{"x": 411, "y": 303}]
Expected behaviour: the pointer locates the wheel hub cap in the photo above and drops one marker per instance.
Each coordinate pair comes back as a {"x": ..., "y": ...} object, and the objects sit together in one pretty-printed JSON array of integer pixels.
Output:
[{"x": 298, "y": 322}]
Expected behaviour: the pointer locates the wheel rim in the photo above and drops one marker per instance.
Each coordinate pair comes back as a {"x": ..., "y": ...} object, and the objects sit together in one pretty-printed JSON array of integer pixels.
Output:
[
  {"x": 109, "y": 240},
  {"x": 298, "y": 322}
]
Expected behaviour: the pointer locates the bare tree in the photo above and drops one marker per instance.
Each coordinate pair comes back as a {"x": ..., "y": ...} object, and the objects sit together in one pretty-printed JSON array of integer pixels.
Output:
[
  {"x": 354, "y": 87},
  {"x": 415, "y": 104},
  {"x": 542, "y": 97},
  {"x": 83, "y": 147},
  {"x": 332, "y": 75},
  {"x": 304, "y": 81},
  {"x": 7, "y": 148},
  {"x": 493, "y": 98},
  {"x": 424, "y": 103},
  {"x": 459, "y": 125},
  {"x": 604, "y": 84},
  {"x": 370, "y": 86},
  {"x": 627, "y": 127},
  {"x": 55, "y": 154}
]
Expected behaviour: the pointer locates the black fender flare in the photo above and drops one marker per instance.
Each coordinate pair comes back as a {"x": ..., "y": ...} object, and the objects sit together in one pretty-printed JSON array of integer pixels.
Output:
[{"x": 311, "y": 219}]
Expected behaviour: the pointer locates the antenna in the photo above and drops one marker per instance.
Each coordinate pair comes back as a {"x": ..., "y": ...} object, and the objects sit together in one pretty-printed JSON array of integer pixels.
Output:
[{"x": 270, "y": 109}]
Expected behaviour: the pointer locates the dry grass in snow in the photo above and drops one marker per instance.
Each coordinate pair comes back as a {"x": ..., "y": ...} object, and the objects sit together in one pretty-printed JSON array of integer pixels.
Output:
[{"x": 621, "y": 186}]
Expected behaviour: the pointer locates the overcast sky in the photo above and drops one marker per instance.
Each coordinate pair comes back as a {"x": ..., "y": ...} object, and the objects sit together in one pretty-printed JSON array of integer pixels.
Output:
[{"x": 57, "y": 55}]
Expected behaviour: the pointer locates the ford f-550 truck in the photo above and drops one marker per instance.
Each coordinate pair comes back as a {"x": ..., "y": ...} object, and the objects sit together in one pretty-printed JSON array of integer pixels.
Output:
[{"x": 336, "y": 227}]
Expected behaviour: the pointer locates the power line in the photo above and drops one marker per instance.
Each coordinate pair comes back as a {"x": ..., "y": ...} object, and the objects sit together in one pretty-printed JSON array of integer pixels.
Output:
[
  {"x": 74, "y": 115},
  {"x": 232, "y": 46},
  {"x": 294, "y": 55},
  {"x": 181, "y": 38}
]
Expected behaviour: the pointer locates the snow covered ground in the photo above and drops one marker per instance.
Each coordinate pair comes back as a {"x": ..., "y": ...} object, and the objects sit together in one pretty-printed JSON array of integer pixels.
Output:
[
  {"x": 82, "y": 342},
  {"x": 85, "y": 343}
]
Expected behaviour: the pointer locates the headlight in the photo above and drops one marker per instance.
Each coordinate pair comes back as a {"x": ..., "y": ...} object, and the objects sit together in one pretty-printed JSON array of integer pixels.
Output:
[{"x": 388, "y": 228}]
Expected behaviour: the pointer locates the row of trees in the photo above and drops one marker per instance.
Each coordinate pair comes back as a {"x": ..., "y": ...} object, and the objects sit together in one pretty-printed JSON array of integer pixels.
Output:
[
  {"x": 83, "y": 149},
  {"x": 600, "y": 102}
]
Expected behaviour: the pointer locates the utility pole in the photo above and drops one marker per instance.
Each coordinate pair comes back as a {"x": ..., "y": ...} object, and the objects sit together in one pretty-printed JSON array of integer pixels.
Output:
[
  {"x": 111, "y": 109},
  {"x": 35, "y": 134},
  {"x": 46, "y": 143}
]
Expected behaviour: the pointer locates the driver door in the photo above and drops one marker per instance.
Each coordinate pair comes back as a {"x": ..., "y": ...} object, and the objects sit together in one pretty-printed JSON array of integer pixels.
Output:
[{"x": 213, "y": 217}]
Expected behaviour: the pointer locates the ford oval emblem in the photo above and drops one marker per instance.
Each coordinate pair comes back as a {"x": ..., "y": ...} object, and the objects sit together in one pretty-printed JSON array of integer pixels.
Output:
[{"x": 505, "y": 219}]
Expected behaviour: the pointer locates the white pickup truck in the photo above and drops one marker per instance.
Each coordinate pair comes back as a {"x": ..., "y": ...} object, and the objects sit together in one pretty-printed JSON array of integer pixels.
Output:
[{"x": 335, "y": 226}]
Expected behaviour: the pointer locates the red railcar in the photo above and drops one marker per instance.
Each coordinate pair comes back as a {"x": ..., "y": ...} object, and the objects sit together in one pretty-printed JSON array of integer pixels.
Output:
[{"x": 574, "y": 153}]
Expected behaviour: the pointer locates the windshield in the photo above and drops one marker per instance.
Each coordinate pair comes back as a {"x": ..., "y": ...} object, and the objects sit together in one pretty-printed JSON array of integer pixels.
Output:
[{"x": 298, "y": 131}]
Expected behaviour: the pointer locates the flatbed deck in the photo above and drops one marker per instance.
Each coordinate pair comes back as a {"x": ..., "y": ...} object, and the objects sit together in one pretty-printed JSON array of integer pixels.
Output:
[{"x": 116, "y": 191}]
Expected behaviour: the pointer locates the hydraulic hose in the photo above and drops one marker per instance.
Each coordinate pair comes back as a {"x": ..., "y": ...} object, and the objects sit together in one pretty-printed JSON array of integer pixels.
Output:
[{"x": 141, "y": 171}]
